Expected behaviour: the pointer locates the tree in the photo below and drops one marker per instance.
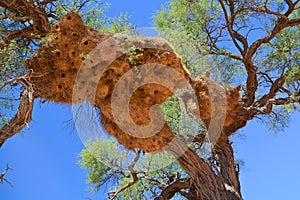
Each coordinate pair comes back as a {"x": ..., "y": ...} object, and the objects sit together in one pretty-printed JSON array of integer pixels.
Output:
[{"x": 265, "y": 59}]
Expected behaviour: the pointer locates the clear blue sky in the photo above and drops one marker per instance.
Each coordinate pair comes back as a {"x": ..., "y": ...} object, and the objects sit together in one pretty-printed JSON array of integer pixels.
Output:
[{"x": 44, "y": 157}]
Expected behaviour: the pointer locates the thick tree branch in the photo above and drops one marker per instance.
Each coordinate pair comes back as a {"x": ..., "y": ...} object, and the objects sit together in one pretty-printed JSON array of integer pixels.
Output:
[
  {"x": 294, "y": 98},
  {"x": 293, "y": 22},
  {"x": 291, "y": 7},
  {"x": 202, "y": 177},
  {"x": 227, "y": 171},
  {"x": 169, "y": 191},
  {"x": 22, "y": 11},
  {"x": 24, "y": 112}
]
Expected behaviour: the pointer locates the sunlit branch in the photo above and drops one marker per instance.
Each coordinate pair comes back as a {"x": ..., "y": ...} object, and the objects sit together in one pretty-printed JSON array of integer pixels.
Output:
[
  {"x": 173, "y": 188},
  {"x": 286, "y": 100},
  {"x": 277, "y": 84}
]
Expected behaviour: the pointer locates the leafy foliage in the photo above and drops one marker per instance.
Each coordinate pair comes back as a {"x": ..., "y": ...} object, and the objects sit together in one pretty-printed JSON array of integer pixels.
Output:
[
  {"x": 107, "y": 163},
  {"x": 93, "y": 13},
  {"x": 198, "y": 31},
  {"x": 95, "y": 159},
  {"x": 185, "y": 26}
]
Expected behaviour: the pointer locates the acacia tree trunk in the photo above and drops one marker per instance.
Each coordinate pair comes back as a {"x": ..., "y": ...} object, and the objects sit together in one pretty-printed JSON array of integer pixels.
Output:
[{"x": 217, "y": 180}]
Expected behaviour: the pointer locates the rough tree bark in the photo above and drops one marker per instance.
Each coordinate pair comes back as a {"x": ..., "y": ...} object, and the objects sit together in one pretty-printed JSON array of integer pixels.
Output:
[{"x": 24, "y": 112}]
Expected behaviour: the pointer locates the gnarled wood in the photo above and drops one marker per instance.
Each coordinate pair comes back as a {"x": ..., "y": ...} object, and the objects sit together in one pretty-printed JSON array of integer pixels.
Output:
[{"x": 24, "y": 112}]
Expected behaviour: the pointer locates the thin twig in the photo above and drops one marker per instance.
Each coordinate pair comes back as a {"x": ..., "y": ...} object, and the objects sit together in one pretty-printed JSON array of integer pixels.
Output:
[
  {"x": 2, "y": 176},
  {"x": 133, "y": 174}
]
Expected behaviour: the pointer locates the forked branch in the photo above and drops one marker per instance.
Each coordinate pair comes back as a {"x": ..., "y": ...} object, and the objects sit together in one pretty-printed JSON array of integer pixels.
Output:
[
  {"x": 114, "y": 194},
  {"x": 2, "y": 176},
  {"x": 173, "y": 188},
  {"x": 32, "y": 15}
]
